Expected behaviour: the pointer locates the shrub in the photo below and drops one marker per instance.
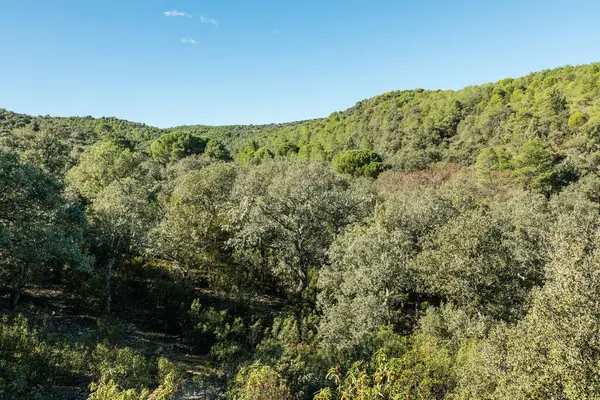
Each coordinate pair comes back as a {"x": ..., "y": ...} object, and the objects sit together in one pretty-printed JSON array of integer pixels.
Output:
[
  {"x": 259, "y": 382},
  {"x": 31, "y": 361},
  {"x": 209, "y": 325},
  {"x": 423, "y": 372},
  {"x": 125, "y": 367},
  {"x": 170, "y": 379},
  {"x": 109, "y": 330}
]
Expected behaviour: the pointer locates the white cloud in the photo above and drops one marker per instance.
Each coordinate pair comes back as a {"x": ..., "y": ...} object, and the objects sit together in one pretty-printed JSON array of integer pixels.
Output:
[
  {"x": 175, "y": 13},
  {"x": 188, "y": 41},
  {"x": 207, "y": 20}
]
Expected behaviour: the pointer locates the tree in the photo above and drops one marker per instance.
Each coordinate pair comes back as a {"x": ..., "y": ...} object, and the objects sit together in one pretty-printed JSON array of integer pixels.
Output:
[
  {"x": 122, "y": 216},
  {"x": 193, "y": 233},
  {"x": 486, "y": 261},
  {"x": 101, "y": 165},
  {"x": 422, "y": 371},
  {"x": 217, "y": 150},
  {"x": 358, "y": 163},
  {"x": 177, "y": 145},
  {"x": 534, "y": 165},
  {"x": 287, "y": 149},
  {"x": 365, "y": 286},
  {"x": 577, "y": 120},
  {"x": 287, "y": 214},
  {"x": 246, "y": 154},
  {"x": 39, "y": 228},
  {"x": 492, "y": 160},
  {"x": 554, "y": 351},
  {"x": 371, "y": 272},
  {"x": 48, "y": 148}
]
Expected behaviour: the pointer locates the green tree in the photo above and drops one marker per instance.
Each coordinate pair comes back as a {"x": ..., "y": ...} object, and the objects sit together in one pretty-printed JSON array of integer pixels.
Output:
[
  {"x": 534, "y": 165},
  {"x": 554, "y": 351},
  {"x": 177, "y": 145},
  {"x": 193, "y": 233},
  {"x": 48, "y": 148},
  {"x": 364, "y": 287},
  {"x": 39, "y": 228},
  {"x": 371, "y": 272},
  {"x": 101, "y": 165},
  {"x": 286, "y": 215},
  {"x": 358, "y": 163},
  {"x": 486, "y": 261},
  {"x": 122, "y": 216},
  {"x": 422, "y": 371},
  {"x": 287, "y": 149},
  {"x": 246, "y": 154},
  {"x": 577, "y": 119},
  {"x": 217, "y": 150},
  {"x": 492, "y": 160}
]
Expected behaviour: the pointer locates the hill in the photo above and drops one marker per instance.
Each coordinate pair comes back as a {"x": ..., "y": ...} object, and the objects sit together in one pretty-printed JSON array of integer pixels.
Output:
[
  {"x": 420, "y": 245},
  {"x": 410, "y": 129}
]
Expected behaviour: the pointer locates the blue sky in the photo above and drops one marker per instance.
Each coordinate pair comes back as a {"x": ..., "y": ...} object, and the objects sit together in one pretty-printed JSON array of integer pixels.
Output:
[{"x": 167, "y": 63}]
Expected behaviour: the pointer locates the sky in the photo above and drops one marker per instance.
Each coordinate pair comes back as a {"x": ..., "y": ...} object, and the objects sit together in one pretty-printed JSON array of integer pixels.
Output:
[{"x": 217, "y": 62}]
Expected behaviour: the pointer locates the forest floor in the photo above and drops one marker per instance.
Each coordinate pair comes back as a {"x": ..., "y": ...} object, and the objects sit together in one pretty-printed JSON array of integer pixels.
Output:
[{"x": 48, "y": 309}]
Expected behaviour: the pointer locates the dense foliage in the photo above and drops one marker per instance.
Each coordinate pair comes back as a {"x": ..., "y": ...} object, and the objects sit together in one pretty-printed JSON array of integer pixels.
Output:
[{"x": 420, "y": 245}]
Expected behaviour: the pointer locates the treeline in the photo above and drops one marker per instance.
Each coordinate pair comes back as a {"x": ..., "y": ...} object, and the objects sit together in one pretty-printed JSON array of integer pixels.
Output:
[
  {"x": 421, "y": 245},
  {"x": 416, "y": 128}
]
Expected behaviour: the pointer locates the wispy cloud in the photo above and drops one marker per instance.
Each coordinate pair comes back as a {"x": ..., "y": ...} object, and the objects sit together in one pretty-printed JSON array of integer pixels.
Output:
[
  {"x": 207, "y": 20},
  {"x": 175, "y": 13},
  {"x": 188, "y": 41}
]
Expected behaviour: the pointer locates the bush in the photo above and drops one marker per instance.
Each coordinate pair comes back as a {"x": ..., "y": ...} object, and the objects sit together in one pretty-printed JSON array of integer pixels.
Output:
[
  {"x": 125, "y": 367},
  {"x": 423, "y": 372},
  {"x": 259, "y": 382},
  {"x": 31, "y": 361},
  {"x": 209, "y": 325},
  {"x": 109, "y": 330},
  {"x": 225, "y": 338},
  {"x": 170, "y": 378}
]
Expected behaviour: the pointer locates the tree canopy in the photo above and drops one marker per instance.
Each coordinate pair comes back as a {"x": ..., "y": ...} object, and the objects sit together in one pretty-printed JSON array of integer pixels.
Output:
[{"x": 423, "y": 244}]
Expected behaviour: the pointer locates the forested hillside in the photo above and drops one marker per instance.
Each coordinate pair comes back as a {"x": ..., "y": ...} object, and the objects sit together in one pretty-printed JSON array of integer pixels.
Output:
[{"x": 420, "y": 245}]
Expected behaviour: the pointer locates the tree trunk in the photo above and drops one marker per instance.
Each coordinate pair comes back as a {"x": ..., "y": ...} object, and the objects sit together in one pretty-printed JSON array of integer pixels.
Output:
[
  {"x": 301, "y": 286},
  {"x": 417, "y": 304},
  {"x": 107, "y": 285},
  {"x": 302, "y": 268},
  {"x": 15, "y": 295},
  {"x": 302, "y": 279}
]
